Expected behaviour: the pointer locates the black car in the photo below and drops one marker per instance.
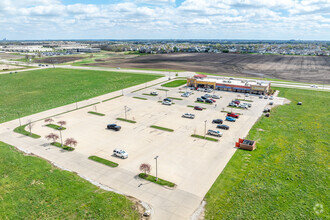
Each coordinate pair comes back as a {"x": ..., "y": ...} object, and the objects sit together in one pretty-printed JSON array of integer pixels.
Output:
[
  {"x": 113, "y": 127},
  {"x": 217, "y": 121},
  {"x": 208, "y": 101},
  {"x": 203, "y": 97},
  {"x": 167, "y": 100},
  {"x": 226, "y": 127},
  {"x": 200, "y": 100}
]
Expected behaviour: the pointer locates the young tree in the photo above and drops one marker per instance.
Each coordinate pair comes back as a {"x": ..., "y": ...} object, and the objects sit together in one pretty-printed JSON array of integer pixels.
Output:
[
  {"x": 48, "y": 120},
  {"x": 146, "y": 168},
  {"x": 30, "y": 125},
  {"x": 61, "y": 123},
  {"x": 52, "y": 136},
  {"x": 70, "y": 142}
]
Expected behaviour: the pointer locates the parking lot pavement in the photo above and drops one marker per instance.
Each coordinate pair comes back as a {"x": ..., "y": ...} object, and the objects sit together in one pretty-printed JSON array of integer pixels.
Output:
[{"x": 193, "y": 164}]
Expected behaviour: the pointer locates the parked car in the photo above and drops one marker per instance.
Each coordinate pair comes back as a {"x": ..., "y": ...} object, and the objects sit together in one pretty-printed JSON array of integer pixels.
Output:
[
  {"x": 166, "y": 103},
  {"x": 213, "y": 100},
  {"x": 167, "y": 100},
  {"x": 154, "y": 93},
  {"x": 299, "y": 103},
  {"x": 217, "y": 121},
  {"x": 203, "y": 97},
  {"x": 247, "y": 104},
  {"x": 113, "y": 127},
  {"x": 228, "y": 118},
  {"x": 266, "y": 110},
  {"x": 185, "y": 94},
  {"x": 200, "y": 100},
  {"x": 271, "y": 103},
  {"x": 236, "y": 102},
  {"x": 260, "y": 96},
  {"x": 243, "y": 106},
  {"x": 271, "y": 97},
  {"x": 207, "y": 95},
  {"x": 208, "y": 101},
  {"x": 188, "y": 115},
  {"x": 198, "y": 108},
  {"x": 247, "y": 94},
  {"x": 214, "y": 133},
  {"x": 266, "y": 97},
  {"x": 120, "y": 153},
  {"x": 221, "y": 126},
  {"x": 233, "y": 104},
  {"x": 215, "y": 97},
  {"x": 233, "y": 115},
  {"x": 209, "y": 90}
]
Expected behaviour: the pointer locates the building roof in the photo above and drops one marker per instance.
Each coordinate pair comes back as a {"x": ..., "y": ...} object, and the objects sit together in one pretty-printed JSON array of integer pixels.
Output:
[
  {"x": 200, "y": 76},
  {"x": 233, "y": 82}
]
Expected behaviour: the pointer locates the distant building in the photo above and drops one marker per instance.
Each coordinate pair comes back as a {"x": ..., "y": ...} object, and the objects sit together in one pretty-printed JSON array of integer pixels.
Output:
[{"x": 245, "y": 86}]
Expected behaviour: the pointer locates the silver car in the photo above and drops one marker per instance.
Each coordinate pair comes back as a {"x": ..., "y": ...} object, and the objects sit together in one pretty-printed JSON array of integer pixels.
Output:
[
  {"x": 215, "y": 97},
  {"x": 188, "y": 115},
  {"x": 120, "y": 153},
  {"x": 214, "y": 133}
]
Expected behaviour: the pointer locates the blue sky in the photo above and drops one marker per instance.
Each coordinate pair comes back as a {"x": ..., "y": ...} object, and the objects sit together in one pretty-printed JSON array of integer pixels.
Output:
[{"x": 165, "y": 19}]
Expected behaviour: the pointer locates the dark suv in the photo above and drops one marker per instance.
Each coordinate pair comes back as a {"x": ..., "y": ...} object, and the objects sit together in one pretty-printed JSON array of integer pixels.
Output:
[
  {"x": 217, "y": 121},
  {"x": 113, "y": 127},
  {"x": 226, "y": 127}
]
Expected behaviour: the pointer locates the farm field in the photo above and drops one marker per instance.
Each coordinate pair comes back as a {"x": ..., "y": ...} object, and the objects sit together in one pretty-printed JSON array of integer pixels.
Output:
[
  {"x": 32, "y": 188},
  {"x": 35, "y": 91},
  {"x": 311, "y": 69},
  {"x": 287, "y": 176}
]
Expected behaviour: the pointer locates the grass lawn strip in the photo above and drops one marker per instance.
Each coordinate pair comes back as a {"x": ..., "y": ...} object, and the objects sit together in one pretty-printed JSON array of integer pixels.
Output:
[
  {"x": 148, "y": 94},
  {"x": 161, "y": 128},
  {"x": 175, "y": 98},
  {"x": 205, "y": 138},
  {"x": 96, "y": 113},
  {"x": 245, "y": 100},
  {"x": 32, "y": 188},
  {"x": 203, "y": 103},
  {"x": 127, "y": 120},
  {"x": 287, "y": 176},
  {"x": 236, "y": 107},
  {"x": 148, "y": 87},
  {"x": 175, "y": 83},
  {"x": 105, "y": 100},
  {"x": 56, "y": 127},
  {"x": 153, "y": 179},
  {"x": 35, "y": 91},
  {"x": 135, "y": 97},
  {"x": 103, "y": 161},
  {"x": 64, "y": 147},
  {"x": 21, "y": 130}
]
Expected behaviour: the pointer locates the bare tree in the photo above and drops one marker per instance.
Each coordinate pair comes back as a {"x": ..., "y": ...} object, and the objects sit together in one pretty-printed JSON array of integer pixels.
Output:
[
  {"x": 48, "y": 120},
  {"x": 30, "y": 126},
  {"x": 52, "y": 136},
  {"x": 70, "y": 142},
  {"x": 146, "y": 168},
  {"x": 61, "y": 123}
]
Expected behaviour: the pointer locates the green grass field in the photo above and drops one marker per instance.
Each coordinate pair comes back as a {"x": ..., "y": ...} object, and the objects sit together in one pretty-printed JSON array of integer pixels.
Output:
[
  {"x": 31, "y": 188},
  {"x": 35, "y": 91},
  {"x": 287, "y": 176},
  {"x": 175, "y": 83}
]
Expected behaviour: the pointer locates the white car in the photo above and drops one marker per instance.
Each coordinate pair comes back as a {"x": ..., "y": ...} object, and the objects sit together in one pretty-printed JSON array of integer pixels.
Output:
[
  {"x": 214, "y": 133},
  {"x": 266, "y": 97},
  {"x": 186, "y": 94},
  {"x": 154, "y": 93},
  {"x": 207, "y": 96},
  {"x": 167, "y": 103},
  {"x": 243, "y": 106},
  {"x": 271, "y": 97},
  {"x": 120, "y": 153},
  {"x": 188, "y": 115},
  {"x": 215, "y": 97},
  {"x": 247, "y": 95}
]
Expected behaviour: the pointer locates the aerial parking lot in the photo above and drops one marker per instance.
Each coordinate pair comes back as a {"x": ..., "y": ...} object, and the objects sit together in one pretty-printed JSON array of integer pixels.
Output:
[{"x": 191, "y": 163}]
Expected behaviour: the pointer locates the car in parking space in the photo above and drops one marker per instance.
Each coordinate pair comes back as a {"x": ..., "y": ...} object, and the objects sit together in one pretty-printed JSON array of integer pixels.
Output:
[
  {"x": 265, "y": 97},
  {"x": 214, "y": 133},
  {"x": 208, "y": 101},
  {"x": 120, "y": 153},
  {"x": 233, "y": 115},
  {"x": 154, "y": 93},
  {"x": 113, "y": 127},
  {"x": 203, "y": 97},
  {"x": 209, "y": 90},
  {"x": 260, "y": 96},
  {"x": 236, "y": 102},
  {"x": 222, "y": 126},
  {"x": 228, "y": 118},
  {"x": 247, "y": 94},
  {"x": 166, "y": 103},
  {"x": 198, "y": 108},
  {"x": 167, "y": 100},
  {"x": 186, "y": 94},
  {"x": 247, "y": 104},
  {"x": 243, "y": 106},
  {"x": 233, "y": 104},
  {"x": 217, "y": 121},
  {"x": 213, "y": 100},
  {"x": 200, "y": 100},
  {"x": 215, "y": 97},
  {"x": 188, "y": 115},
  {"x": 271, "y": 103},
  {"x": 271, "y": 97},
  {"x": 207, "y": 95}
]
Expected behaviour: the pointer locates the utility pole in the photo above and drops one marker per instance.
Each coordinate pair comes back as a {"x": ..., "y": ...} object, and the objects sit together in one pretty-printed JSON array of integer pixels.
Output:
[
  {"x": 156, "y": 168},
  {"x": 61, "y": 137},
  {"x": 19, "y": 119},
  {"x": 125, "y": 112},
  {"x": 205, "y": 129}
]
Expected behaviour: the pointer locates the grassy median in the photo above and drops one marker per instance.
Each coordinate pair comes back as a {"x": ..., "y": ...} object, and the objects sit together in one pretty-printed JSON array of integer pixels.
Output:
[
  {"x": 103, "y": 161},
  {"x": 31, "y": 188},
  {"x": 159, "y": 181},
  {"x": 287, "y": 176},
  {"x": 175, "y": 83}
]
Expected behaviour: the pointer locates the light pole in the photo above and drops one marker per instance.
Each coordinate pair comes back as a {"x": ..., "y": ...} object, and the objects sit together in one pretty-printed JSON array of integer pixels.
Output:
[
  {"x": 156, "y": 168},
  {"x": 76, "y": 102},
  {"x": 166, "y": 94},
  {"x": 19, "y": 118},
  {"x": 205, "y": 129},
  {"x": 60, "y": 129},
  {"x": 125, "y": 112},
  {"x": 122, "y": 92}
]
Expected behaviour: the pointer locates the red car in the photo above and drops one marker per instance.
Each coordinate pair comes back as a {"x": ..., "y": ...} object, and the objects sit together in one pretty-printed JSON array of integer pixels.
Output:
[
  {"x": 233, "y": 115},
  {"x": 213, "y": 100},
  {"x": 236, "y": 102},
  {"x": 198, "y": 108}
]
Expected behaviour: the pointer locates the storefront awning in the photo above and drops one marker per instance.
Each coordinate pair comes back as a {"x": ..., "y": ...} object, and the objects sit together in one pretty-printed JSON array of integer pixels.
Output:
[
  {"x": 227, "y": 87},
  {"x": 242, "y": 89}
]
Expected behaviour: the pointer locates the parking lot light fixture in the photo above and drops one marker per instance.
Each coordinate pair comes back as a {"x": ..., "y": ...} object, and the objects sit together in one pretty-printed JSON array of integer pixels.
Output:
[
  {"x": 156, "y": 168},
  {"x": 19, "y": 118},
  {"x": 205, "y": 129}
]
